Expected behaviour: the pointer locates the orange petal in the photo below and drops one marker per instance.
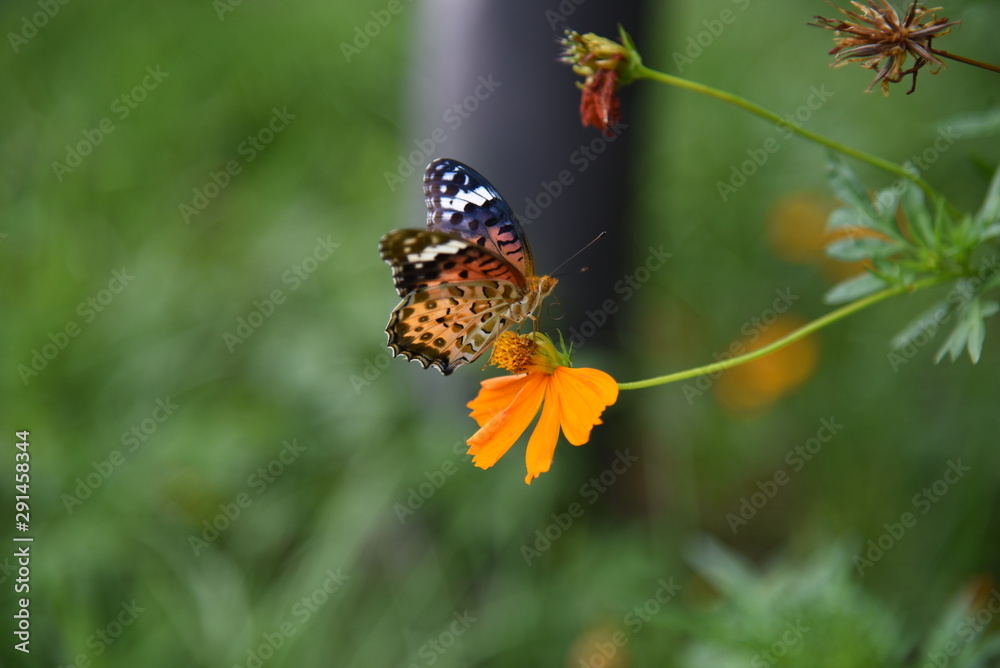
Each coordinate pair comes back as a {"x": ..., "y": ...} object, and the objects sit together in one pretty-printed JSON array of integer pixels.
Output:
[
  {"x": 583, "y": 396},
  {"x": 493, "y": 440},
  {"x": 495, "y": 395},
  {"x": 542, "y": 444}
]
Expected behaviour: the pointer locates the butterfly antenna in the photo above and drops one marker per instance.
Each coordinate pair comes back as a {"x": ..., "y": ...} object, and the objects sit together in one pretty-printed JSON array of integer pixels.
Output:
[{"x": 592, "y": 242}]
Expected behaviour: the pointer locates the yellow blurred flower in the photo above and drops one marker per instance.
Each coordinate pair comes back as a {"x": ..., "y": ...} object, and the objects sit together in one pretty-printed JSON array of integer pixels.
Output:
[
  {"x": 755, "y": 385},
  {"x": 797, "y": 231},
  {"x": 603, "y": 644},
  {"x": 570, "y": 399}
]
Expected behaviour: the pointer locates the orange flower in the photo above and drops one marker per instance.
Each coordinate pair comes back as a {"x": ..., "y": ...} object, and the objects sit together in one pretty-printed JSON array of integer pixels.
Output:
[{"x": 571, "y": 399}]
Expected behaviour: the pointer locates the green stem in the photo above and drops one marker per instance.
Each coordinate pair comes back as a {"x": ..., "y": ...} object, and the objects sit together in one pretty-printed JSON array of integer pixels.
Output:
[
  {"x": 647, "y": 73},
  {"x": 788, "y": 339}
]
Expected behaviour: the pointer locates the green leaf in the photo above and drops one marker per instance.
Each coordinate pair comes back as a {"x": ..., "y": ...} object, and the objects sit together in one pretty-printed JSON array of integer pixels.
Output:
[
  {"x": 974, "y": 339},
  {"x": 893, "y": 271},
  {"x": 990, "y": 232},
  {"x": 885, "y": 202},
  {"x": 942, "y": 634},
  {"x": 847, "y": 217},
  {"x": 921, "y": 220},
  {"x": 861, "y": 211},
  {"x": 977, "y": 326},
  {"x": 860, "y": 248},
  {"x": 853, "y": 288},
  {"x": 989, "y": 213},
  {"x": 942, "y": 219},
  {"x": 927, "y": 323},
  {"x": 970, "y": 330},
  {"x": 955, "y": 342},
  {"x": 846, "y": 185}
]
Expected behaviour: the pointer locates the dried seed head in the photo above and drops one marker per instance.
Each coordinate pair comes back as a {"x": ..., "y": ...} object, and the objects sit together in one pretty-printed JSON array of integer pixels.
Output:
[{"x": 881, "y": 40}]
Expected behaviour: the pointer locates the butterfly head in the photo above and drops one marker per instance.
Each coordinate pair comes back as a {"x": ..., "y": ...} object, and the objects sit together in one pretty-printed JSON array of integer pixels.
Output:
[
  {"x": 539, "y": 287},
  {"x": 543, "y": 285}
]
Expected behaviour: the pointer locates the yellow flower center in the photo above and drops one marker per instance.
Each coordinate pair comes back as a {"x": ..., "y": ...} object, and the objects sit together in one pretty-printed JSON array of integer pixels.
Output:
[{"x": 513, "y": 352}]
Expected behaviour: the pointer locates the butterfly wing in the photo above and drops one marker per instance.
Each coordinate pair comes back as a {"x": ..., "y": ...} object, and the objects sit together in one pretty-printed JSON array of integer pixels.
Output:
[
  {"x": 449, "y": 325},
  {"x": 461, "y": 202},
  {"x": 423, "y": 258},
  {"x": 456, "y": 297}
]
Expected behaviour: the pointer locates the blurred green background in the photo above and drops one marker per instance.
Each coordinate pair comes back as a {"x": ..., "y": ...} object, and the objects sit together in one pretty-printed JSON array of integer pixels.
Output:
[{"x": 211, "y": 487}]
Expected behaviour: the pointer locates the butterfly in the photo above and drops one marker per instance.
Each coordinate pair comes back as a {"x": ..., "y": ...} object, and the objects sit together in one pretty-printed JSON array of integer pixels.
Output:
[{"x": 465, "y": 279}]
